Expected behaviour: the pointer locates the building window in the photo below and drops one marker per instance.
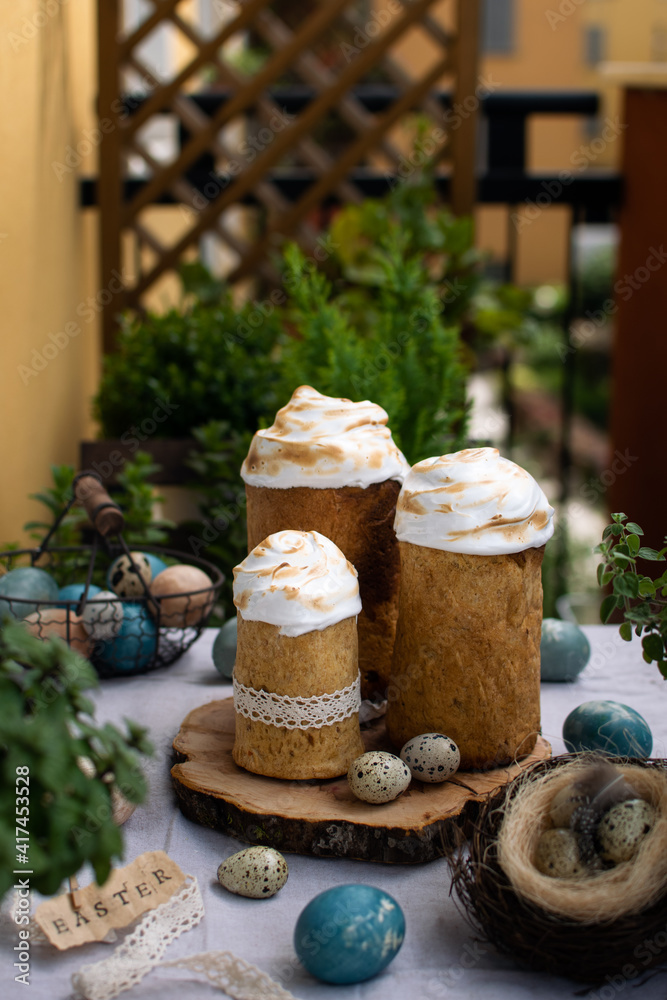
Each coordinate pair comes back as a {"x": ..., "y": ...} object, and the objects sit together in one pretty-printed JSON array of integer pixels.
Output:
[
  {"x": 659, "y": 43},
  {"x": 594, "y": 44},
  {"x": 498, "y": 26}
]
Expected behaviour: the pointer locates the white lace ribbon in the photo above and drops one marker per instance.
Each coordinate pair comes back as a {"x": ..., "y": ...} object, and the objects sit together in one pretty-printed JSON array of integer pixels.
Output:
[
  {"x": 297, "y": 713},
  {"x": 142, "y": 950}
]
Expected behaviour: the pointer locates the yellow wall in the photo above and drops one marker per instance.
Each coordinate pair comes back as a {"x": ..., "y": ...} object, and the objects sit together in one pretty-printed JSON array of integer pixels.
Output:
[
  {"x": 550, "y": 54},
  {"x": 47, "y": 248}
]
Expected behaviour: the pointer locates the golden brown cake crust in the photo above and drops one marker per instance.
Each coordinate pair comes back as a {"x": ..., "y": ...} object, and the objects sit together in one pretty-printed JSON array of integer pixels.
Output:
[
  {"x": 315, "y": 663},
  {"x": 361, "y": 523},
  {"x": 467, "y": 654}
]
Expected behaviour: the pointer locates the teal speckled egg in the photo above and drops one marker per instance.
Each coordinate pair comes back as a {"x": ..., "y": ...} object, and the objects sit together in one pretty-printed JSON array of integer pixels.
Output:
[
  {"x": 608, "y": 727},
  {"x": 29, "y": 584},
  {"x": 564, "y": 650},
  {"x": 224, "y": 649},
  {"x": 349, "y": 933}
]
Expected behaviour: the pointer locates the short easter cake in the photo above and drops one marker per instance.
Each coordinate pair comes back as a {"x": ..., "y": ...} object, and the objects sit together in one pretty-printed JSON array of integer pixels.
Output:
[{"x": 296, "y": 678}]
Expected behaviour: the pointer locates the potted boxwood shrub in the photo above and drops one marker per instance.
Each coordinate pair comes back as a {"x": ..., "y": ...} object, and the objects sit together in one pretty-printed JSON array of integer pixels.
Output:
[{"x": 179, "y": 370}]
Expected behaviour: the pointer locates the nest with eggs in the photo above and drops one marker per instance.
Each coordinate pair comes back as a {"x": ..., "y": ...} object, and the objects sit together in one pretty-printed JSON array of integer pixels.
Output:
[{"x": 612, "y": 920}]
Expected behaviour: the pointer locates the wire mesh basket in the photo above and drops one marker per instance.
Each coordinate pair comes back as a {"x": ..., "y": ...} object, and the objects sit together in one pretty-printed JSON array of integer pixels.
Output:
[{"x": 121, "y": 635}]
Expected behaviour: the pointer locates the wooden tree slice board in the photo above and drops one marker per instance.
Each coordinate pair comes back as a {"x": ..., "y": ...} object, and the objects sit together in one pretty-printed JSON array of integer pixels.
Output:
[{"x": 323, "y": 817}]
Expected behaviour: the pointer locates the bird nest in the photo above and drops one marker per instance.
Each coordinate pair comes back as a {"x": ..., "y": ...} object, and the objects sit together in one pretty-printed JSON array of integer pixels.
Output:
[{"x": 612, "y": 923}]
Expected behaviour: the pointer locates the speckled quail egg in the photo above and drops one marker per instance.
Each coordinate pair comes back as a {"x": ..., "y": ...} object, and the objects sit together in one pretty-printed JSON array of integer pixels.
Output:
[
  {"x": 558, "y": 856},
  {"x": 622, "y": 829},
  {"x": 125, "y": 577},
  {"x": 256, "y": 872},
  {"x": 378, "y": 776},
  {"x": 431, "y": 757}
]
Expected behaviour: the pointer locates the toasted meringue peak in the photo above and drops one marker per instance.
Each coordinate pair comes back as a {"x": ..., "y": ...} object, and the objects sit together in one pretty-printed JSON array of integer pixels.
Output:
[
  {"x": 473, "y": 501},
  {"x": 298, "y": 580},
  {"x": 324, "y": 442}
]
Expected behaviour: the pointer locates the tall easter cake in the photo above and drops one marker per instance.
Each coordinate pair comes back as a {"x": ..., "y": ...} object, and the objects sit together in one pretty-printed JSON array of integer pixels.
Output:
[
  {"x": 472, "y": 528},
  {"x": 296, "y": 678},
  {"x": 330, "y": 465}
]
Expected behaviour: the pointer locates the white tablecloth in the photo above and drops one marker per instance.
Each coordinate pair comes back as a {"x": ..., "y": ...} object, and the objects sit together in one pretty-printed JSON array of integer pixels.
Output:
[{"x": 439, "y": 958}]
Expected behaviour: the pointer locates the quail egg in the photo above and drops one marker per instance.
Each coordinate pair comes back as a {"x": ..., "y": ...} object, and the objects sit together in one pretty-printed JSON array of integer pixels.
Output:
[
  {"x": 622, "y": 829},
  {"x": 127, "y": 578},
  {"x": 378, "y": 776},
  {"x": 558, "y": 855},
  {"x": 431, "y": 757},
  {"x": 256, "y": 872}
]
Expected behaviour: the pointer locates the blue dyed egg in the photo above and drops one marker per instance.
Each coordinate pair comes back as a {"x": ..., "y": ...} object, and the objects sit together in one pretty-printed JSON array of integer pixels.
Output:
[
  {"x": 349, "y": 933},
  {"x": 224, "y": 649},
  {"x": 134, "y": 646},
  {"x": 608, "y": 727},
  {"x": 74, "y": 591},
  {"x": 564, "y": 650},
  {"x": 29, "y": 584}
]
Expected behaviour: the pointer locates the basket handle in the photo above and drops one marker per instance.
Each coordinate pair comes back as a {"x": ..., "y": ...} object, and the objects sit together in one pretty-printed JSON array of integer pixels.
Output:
[{"x": 105, "y": 515}]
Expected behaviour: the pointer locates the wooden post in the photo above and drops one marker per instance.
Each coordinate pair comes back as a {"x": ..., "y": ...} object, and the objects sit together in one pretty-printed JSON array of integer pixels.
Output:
[
  {"x": 464, "y": 138},
  {"x": 109, "y": 172},
  {"x": 637, "y": 475}
]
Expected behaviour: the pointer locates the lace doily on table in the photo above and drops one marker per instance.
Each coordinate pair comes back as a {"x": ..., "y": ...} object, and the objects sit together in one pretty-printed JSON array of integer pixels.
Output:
[
  {"x": 234, "y": 976},
  {"x": 142, "y": 950},
  {"x": 297, "y": 713}
]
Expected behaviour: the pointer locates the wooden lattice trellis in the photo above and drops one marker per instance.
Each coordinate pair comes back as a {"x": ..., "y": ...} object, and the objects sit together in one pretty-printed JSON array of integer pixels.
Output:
[{"x": 293, "y": 52}]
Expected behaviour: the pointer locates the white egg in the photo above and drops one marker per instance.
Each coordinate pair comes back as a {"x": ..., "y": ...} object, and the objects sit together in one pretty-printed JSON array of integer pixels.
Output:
[
  {"x": 256, "y": 872},
  {"x": 102, "y": 616},
  {"x": 431, "y": 757},
  {"x": 378, "y": 776},
  {"x": 558, "y": 855},
  {"x": 622, "y": 829}
]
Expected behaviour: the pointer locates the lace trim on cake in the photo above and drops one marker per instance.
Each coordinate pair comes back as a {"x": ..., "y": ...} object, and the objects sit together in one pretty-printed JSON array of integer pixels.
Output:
[{"x": 297, "y": 713}]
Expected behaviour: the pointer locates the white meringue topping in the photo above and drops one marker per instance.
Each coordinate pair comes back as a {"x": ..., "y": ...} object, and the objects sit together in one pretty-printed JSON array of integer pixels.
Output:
[
  {"x": 323, "y": 442},
  {"x": 473, "y": 501},
  {"x": 298, "y": 580}
]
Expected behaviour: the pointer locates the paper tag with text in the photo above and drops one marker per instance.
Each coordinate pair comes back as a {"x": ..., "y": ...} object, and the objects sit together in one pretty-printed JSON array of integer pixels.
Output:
[{"x": 149, "y": 880}]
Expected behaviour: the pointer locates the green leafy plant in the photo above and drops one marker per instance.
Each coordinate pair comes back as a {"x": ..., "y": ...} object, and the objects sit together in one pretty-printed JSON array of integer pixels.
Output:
[
  {"x": 207, "y": 360},
  {"x": 46, "y": 727},
  {"x": 137, "y": 498},
  {"x": 488, "y": 311},
  {"x": 642, "y": 599},
  {"x": 397, "y": 351}
]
